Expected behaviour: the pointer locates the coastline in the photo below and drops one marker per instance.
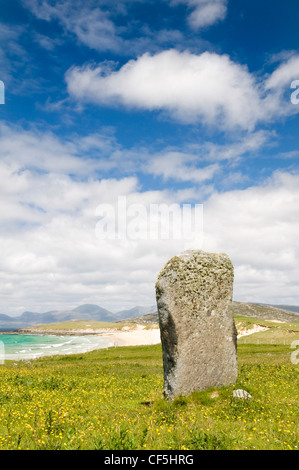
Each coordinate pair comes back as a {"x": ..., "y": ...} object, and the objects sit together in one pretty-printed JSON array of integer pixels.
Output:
[
  {"x": 136, "y": 336},
  {"x": 127, "y": 335}
]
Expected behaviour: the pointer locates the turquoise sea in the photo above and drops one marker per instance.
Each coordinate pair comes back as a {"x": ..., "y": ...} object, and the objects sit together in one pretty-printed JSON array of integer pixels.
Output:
[{"x": 25, "y": 347}]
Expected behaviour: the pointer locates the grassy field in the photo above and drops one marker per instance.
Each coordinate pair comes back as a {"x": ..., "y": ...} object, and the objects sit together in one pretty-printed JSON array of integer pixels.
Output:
[{"x": 112, "y": 399}]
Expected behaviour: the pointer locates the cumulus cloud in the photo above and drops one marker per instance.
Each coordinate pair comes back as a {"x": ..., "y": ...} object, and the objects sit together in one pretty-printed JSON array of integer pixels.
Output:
[
  {"x": 54, "y": 257},
  {"x": 48, "y": 233},
  {"x": 60, "y": 262},
  {"x": 51, "y": 254},
  {"x": 258, "y": 228},
  {"x": 208, "y": 87}
]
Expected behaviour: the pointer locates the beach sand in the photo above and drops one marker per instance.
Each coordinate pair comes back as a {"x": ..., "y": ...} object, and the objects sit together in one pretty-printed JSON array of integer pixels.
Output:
[{"x": 137, "y": 337}]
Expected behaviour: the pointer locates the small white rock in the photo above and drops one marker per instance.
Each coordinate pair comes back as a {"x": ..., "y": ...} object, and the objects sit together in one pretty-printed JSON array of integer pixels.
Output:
[{"x": 241, "y": 394}]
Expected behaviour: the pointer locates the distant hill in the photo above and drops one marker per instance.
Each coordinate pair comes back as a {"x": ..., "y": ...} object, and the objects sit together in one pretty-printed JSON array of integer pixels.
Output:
[
  {"x": 262, "y": 311},
  {"x": 141, "y": 314},
  {"x": 85, "y": 312},
  {"x": 82, "y": 312},
  {"x": 149, "y": 318},
  {"x": 291, "y": 308},
  {"x": 137, "y": 311},
  {"x": 91, "y": 309}
]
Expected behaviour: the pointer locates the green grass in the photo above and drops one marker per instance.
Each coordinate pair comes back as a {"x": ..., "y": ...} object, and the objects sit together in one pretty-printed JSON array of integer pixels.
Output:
[
  {"x": 112, "y": 399},
  {"x": 85, "y": 324},
  {"x": 80, "y": 325},
  {"x": 277, "y": 333}
]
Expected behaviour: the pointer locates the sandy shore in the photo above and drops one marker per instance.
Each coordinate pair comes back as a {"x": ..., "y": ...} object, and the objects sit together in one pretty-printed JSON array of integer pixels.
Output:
[
  {"x": 253, "y": 329},
  {"x": 136, "y": 337},
  {"x": 143, "y": 337}
]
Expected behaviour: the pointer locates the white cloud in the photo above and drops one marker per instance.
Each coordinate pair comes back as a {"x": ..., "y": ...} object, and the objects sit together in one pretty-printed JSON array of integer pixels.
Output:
[
  {"x": 287, "y": 71},
  {"x": 91, "y": 25},
  {"x": 44, "y": 151},
  {"x": 94, "y": 29},
  {"x": 205, "y": 12},
  {"x": 48, "y": 43},
  {"x": 55, "y": 260},
  {"x": 181, "y": 167},
  {"x": 12, "y": 55},
  {"x": 258, "y": 228},
  {"x": 278, "y": 86},
  {"x": 235, "y": 150},
  {"x": 51, "y": 257},
  {"x": 209, "y": 87},
  {"x": 60, "y": 262}
]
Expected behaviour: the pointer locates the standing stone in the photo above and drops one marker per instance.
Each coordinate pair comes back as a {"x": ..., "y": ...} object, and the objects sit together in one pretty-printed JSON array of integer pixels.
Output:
[{"x": 198, "y": 333}]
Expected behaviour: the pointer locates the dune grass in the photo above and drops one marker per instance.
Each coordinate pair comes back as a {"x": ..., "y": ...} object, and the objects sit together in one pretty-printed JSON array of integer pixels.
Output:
[
  {"x": 277, "y": 332},
  {"x": 112, "y": 399}
]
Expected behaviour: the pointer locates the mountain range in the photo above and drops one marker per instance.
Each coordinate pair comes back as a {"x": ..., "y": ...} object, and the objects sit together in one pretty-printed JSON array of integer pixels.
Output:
[
  {"x": 96, "y": 313},
  {"x": 83, "y": 312}
]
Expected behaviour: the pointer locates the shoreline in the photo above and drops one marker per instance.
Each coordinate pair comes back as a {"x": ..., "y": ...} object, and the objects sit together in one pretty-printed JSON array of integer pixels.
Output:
[{"x": 136, "y": 336}]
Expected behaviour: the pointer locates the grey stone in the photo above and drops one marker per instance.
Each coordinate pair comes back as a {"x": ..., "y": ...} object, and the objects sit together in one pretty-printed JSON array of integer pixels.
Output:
[{"x": 198, "y": 334}]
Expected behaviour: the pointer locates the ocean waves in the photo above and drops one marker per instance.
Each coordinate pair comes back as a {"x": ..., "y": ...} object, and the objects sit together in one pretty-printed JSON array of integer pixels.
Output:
[{"x": 25, "y": 347}]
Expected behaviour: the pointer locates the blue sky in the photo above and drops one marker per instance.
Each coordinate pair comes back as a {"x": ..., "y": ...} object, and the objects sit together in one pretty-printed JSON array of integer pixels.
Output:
[{"x": 163, "y": 102}]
